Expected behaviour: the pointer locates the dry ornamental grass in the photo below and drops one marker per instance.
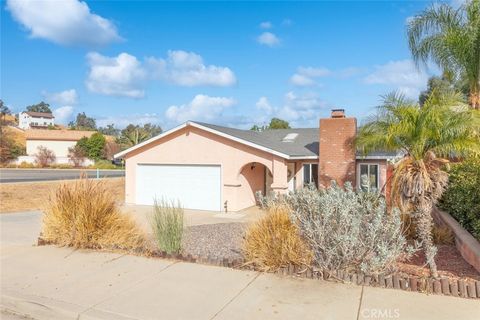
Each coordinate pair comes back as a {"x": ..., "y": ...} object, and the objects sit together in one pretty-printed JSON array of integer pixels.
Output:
[
  {"x": 84, "y": 215},
  {"x": 274, "y": 242}
]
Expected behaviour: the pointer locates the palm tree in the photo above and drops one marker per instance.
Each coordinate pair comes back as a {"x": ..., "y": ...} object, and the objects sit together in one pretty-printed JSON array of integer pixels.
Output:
[
  {"x": 134, "y": 137},
  {"x": 450, "y": 38},
  {"x": 427, "y": 136}
]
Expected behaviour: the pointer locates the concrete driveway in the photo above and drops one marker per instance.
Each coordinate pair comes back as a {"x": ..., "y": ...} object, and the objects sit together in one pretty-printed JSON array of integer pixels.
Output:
[
  {"x": 30, "y": 175},
  {"x": 60, "y": 283},
  {"x": 197, "y": 217}
]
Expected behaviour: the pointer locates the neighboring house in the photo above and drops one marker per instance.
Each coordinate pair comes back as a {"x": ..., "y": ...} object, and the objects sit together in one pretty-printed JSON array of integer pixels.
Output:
[
  {"x": 211, "y": 167},
  {"x": 28, "y": 119},
  {"x": 59, "y": 141}
]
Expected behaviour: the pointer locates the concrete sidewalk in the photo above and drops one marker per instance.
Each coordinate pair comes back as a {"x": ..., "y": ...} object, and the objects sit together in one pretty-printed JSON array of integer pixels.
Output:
[{"x": 58, "y": 283}]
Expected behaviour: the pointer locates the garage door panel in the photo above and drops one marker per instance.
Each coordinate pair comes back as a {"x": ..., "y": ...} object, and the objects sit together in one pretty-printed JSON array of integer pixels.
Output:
[{"x": 195, "y": 186}]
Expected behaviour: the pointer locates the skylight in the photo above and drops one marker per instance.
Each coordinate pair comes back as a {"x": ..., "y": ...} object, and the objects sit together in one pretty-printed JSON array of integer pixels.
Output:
[{"x": 290, "y": 137}]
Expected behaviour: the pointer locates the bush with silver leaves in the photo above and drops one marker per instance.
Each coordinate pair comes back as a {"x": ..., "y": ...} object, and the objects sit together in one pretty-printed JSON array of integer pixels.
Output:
[{"x": 349, "y": 230}]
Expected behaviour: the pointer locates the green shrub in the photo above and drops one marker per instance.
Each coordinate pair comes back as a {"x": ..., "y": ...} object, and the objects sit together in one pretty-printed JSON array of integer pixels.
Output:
[
  {"x": 167, "y": 224},
  {"x": 103, "y": 164},
  {"x": 349, "y": 230},
  {"x": 462, "y": 197},
  {"x": 92, "y": 147}
]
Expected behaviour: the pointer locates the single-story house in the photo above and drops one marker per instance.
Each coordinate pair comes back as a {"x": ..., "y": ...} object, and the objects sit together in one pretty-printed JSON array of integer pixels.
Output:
[
  {"x": 58, "y": 141},
  {"x": 210, "y": 167}
]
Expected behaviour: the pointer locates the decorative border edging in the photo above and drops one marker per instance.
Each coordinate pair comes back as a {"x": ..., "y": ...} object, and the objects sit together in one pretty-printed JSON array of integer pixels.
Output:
[
  {"x": 457, "y": 288},
  {"x": 466, "y": 244}
]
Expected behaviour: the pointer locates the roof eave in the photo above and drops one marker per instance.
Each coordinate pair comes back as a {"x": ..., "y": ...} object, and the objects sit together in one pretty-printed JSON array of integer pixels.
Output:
[{"x": 197, "y": 125}]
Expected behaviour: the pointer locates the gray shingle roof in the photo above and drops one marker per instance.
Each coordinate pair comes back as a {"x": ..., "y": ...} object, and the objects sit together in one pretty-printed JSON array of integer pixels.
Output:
[{"x": 304, "y": 145}]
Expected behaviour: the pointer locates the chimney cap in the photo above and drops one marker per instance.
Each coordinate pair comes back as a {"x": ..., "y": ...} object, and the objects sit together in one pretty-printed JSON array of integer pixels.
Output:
[{"x": 338, "y": 113}]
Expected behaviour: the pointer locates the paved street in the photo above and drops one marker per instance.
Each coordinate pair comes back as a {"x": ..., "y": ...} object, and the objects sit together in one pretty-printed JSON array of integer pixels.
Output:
[
  {"x": 60, "y": 283},
  {"x": 29, "y": 175}
]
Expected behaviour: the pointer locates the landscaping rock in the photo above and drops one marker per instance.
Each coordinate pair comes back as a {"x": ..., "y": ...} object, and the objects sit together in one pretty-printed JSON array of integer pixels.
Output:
[{"x": 217, "y": 241}]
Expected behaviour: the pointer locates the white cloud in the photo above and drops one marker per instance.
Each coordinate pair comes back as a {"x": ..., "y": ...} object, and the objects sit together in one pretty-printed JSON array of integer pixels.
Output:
[
  {"x": 122, "y": 75},
  {"x": 266, "y": 25},
  {"x": 301, "y": 110},
  {"x": 349, "y": 72},
  {"x": 66, "y": 22},
  {"x": 67, "y": 97},
  {"x": 188, "y": 69},
  {"x": 63, "y": 114},
  {"x": 399, "y": 75},
  {"x": 201, "y": 108},
  {"x": 314, "y": 72},
  {"x": 301, "y": 80},
  {"x": 124, "y": 120},
  {"x": 305, "y": 76},
  {"x": 264, "y": 105},
  {"x": 125, "y": 75},
  {"x": 268, "y": 39}
]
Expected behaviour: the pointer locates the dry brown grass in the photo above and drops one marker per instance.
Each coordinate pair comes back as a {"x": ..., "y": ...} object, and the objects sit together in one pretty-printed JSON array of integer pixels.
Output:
[
  {"x": 17, "y": 135},
  {"x": 33, "y": 195},
  {"x": 274, "y": 242},
  {"x": 84, "y": 214},
  {"x": 441, "y": 235}
]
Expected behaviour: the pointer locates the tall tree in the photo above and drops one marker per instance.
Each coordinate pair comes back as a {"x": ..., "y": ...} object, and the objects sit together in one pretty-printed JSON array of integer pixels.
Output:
[
  {"x": 109, "y": 130},
  {"x": 134, "y": 134},
  {"x": 437, "y": 85},
  {"x": 427, "y": 136},
  {"x": 83, "y": 122},
  {"x": 4, "y": 111},
  {"x": 275, "y": 123},
  {"x": 450, "y": 38},
  {"x": 39, "y": 107}
]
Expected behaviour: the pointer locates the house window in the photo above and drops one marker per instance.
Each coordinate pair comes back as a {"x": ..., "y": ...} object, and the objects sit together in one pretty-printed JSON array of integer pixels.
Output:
[
  {"x": 368, "y": 177},
  {"x": 310, "y": 174}
]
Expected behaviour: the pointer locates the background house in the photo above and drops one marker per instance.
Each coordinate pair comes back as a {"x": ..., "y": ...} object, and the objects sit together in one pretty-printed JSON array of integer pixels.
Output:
[
  {"x": 59, "y": 141},
  {"x": 29, "y": 119}
]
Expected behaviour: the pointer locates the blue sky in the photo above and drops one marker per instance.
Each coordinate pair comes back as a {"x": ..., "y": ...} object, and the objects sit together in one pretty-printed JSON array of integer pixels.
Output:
[{"x": 231, "y": 63}]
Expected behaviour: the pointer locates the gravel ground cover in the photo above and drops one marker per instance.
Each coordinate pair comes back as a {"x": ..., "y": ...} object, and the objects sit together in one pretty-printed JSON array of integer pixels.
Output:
[
  {"x": 221, "y": 240},
  {"x": 224, "y": 240}
]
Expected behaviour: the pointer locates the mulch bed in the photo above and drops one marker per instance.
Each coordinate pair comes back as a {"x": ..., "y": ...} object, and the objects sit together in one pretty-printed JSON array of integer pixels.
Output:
[
  {"x": 224, "y": 240},
  {"x": 217, "y": 241},
  {"x": 450, "y": 264}
]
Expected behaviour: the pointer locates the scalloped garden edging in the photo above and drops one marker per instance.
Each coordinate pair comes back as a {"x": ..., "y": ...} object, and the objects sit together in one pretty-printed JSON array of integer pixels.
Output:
[{"x": 450, "y": 287}]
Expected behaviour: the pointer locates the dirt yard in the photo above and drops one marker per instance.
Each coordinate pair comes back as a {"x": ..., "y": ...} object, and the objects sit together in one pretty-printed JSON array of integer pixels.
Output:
[{"x": 33, "y": 195}]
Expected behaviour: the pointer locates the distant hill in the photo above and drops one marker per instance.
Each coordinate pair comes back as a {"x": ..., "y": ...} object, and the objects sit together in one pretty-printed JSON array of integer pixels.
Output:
[{"x": 17, "y": 134}]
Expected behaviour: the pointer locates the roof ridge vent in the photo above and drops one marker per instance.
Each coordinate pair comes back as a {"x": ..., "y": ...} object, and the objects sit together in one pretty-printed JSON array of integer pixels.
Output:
[{"x": 290, "y": 137}]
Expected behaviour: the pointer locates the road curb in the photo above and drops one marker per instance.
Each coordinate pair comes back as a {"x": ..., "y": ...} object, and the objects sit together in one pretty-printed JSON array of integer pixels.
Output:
[
  {"x": 42, "y": 308},
  {"x": 38, "y": 307}
]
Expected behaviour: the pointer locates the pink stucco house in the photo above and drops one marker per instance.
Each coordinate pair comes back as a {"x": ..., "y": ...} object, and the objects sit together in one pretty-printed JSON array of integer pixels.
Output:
[{"x": 210, "y": 167}]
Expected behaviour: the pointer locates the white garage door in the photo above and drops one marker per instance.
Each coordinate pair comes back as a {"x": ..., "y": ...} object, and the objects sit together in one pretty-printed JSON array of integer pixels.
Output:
[{"x": 195, "y": 186}]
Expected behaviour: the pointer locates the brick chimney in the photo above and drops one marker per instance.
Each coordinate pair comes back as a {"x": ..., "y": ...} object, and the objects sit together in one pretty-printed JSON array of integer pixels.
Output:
[{"x": 336, "y": 149}]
